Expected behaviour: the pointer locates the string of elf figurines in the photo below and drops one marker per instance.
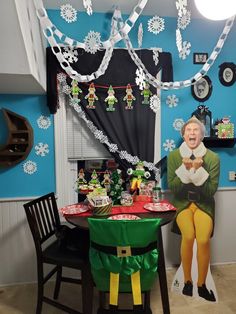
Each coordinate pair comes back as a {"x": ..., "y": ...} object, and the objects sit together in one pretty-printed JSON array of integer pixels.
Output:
[{"x": 75, "y": 93}]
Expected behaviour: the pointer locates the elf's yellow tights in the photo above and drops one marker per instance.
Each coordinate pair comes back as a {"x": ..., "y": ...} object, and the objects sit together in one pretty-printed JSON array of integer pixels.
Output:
[
  {"x": 135, "y": 183},
  {"x": 194, "y": 223}
]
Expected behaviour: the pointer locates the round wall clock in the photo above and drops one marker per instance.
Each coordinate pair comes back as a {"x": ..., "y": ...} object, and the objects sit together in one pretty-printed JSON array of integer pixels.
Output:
[
  {"x": 227, "y": 73},
  {"x": 202, "y": 89}
]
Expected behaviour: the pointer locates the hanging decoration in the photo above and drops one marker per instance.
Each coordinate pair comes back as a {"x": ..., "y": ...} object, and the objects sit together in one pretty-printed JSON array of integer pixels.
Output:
[
  {"x": 43, "y": 122},
  {"x": 92, "y": 42},
  {"x": 140, "y": 35},
  {"x": 70, "y": 54},
  {"x": 75, "y": 90},
  {"x": 177, "y": 124},
  {"x": 185, "y": 51},
  {"x": 181, "y": 7},
  {"x": 177, "y": 84},
  {"x": 172, "y": 101},
  {"x": 111, "y": 99},
  {"x": 61, "y": 77},
  {"x": 91, "y": 96},
  {"x": 30, "y": 167},
  {"x": 140, "y": 78},
  {"x": 68, "y": 13},
  {"x": 179, "y": 40},
  {"x": 155, "y": 55},
  {"x": 169, "y": 145},
  {"x": 146, "y": 94},
  {"x": 156, "y": 25},
  {"x": 88, "y": 6},
  {"x": 155, "y": 103},
  {"x": 129, "y": 97},
  {"x": 184, "y": 20},
  {"x": 41, "y": 149}
]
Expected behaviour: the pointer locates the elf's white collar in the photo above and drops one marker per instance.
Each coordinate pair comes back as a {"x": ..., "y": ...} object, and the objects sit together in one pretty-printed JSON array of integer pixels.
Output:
[{"x": 185, "y": 151}]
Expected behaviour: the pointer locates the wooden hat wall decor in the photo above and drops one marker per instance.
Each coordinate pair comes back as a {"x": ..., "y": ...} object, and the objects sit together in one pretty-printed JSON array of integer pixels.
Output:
[{"x": 20, "y": 139}]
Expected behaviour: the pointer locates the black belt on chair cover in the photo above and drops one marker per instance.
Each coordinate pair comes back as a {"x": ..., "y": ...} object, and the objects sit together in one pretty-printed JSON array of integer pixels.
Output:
[{"x": 114, "y": 250}]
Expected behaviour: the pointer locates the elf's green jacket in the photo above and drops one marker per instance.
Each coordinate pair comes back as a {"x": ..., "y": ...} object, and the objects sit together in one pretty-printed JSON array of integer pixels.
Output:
[{"x": 202, "y": 195}]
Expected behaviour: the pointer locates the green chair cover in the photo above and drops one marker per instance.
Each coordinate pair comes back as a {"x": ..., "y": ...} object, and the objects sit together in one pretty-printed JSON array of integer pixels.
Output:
[{"x": 133, "y": 233}]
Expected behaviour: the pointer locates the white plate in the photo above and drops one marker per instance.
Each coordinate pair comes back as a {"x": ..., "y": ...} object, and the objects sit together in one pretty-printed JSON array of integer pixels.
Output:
[
  {"x": 124, "y": 217},
  {"x": 74, "y": 209},
  {"x": 159, "y": 207}
]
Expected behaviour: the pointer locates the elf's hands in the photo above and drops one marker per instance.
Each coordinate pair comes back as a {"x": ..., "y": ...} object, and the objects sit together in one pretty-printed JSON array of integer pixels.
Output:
[
  {"x": 197, "y": 163},
  {"x": 187, "y": 162}
]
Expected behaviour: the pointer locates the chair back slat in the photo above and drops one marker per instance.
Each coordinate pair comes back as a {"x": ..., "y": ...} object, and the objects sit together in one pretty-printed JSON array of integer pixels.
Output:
[{"x": 43, "y": 218}]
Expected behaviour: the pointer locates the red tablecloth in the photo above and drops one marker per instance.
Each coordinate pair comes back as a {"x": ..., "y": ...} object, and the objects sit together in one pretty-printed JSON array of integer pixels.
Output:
[{"x": 136, "y": 208}]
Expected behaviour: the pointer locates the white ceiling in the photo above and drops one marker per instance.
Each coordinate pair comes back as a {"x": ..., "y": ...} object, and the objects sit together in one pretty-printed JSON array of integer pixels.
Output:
[{"x": 153, "y": 7}]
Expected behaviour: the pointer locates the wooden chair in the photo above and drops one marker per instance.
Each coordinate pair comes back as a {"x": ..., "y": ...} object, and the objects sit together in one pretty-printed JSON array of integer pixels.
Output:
[
  {"x": 44, "y": 222},
  {"x": 124, "y": 258}
]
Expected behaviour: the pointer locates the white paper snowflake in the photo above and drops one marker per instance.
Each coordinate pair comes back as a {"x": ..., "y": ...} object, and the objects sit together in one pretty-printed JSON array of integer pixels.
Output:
[
  {"x": 140, "y": 78},
  {"x": 155, "y": 103},
  {"x": 178, "y": 40},
  {"x": 41, "y": 149},
  {"x": 184, "y": 20},
  {"x": 70, "y": 54},
  {"x": 68, "y": 13},
  {"x": 30, "y": 167},
  {"x": 177, "y": 124},
  {"x": 113, "y": 148},
  {"x": 66, "y": 89},
  {"x": 172, "y": 101},
  {"x": 43, "y": 122},
  {"x": 140, "y": 35},
  {"x": 155, "y": 55},
  {"x": 169, "y": 145},
  {"x": 181, "y": 6},
  {"x": 156, "y": 25},
  {"x": 98, "y": 134},
  {"x": 185, "y": 50},
  {"x": 61, "y": 77},
  {"x": 92, "y": 42},
  {"x": 88, "y": 6}
]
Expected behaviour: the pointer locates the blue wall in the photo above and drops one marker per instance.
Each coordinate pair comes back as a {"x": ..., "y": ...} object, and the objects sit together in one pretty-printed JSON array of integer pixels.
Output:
[
  {"x": 203, "y": 36},
  {"x": 14, "y": 181}
]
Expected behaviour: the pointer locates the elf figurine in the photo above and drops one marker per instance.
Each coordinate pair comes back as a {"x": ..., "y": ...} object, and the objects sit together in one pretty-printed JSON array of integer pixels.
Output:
[
  {"x": 138, "y": 175},
  {"x": 94, "y": 181},
  {"x": 91, "y": 96},
  {"x": 75, "y": 90},
  {"x": 129, "y": 97},
  {"x": 106, "y": 181},
  {"x": 111, "y": 99},
  {"x": 81, "y": 180},
  {"x": 146, "y": 94}
]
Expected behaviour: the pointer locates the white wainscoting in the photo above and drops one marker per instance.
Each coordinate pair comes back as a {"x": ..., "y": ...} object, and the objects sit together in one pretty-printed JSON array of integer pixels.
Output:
[{"x": 17, "y": 253}]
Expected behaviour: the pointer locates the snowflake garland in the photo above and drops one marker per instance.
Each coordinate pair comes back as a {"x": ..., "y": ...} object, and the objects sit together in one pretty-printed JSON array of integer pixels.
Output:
[
  {"x": 179, "y": 40},
  {"x": 155, "y": 56},
  {"x": 43, "y": 122},
  {"x": 155, "y": 103},
  {"x": 70, "y": 54},
  {"x": 172, "y": 101},
  {"x": 140, "y": 35},
  {"x": 185, "y": 51},
  {"x": 169, "y": 145},
  {"x": 184, "y": 20},
  {"x": 181, "y": 7},
  {"x": 61, "y": 77},
  {"x": 30, "y": 167},
  {"x": 178, "y": 124},
  {"x": 92, "y": 42},
  {"x": 68, "y": 13},
  {"x": 140, "y": 78},
  {"x": 41, "y": 149},
  {"x": 156, "y": 25},
  {"x": 88, "y": 6}
]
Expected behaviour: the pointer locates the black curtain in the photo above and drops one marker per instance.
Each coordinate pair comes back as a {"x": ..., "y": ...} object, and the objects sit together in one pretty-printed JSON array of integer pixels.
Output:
[{"x": 132, "y": 130}]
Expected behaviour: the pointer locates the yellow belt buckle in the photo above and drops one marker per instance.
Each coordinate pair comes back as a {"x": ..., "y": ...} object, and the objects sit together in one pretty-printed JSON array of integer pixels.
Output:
[{"x": 123, "y": 251}]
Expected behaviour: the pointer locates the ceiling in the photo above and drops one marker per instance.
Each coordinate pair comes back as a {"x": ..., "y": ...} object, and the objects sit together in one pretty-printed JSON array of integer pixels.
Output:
[{"x": 153, "y": 7}]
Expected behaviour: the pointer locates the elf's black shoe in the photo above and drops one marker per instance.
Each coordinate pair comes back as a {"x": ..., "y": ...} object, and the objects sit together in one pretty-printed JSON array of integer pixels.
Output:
[
  {"x": 188, "y": 288},
  {"x": 204, "y": 293}
]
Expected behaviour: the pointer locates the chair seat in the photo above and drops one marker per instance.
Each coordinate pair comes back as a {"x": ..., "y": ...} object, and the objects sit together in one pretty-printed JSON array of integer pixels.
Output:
[{"x": 63, "y": 257}]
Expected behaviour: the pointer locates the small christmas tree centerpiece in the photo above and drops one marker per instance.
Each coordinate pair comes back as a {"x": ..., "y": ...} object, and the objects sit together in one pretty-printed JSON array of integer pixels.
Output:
[{"x": 116, "y": 187}]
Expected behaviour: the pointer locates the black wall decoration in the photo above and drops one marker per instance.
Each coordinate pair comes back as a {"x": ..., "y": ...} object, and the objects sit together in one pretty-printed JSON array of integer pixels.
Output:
[
  {"x": 202, "y": 89},
  {"x": 227, "y": 73}
]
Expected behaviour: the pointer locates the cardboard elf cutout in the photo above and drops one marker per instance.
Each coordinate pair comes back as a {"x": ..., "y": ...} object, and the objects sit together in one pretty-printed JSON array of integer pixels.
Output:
[
  {"x": 91, "y": 96},
  {"x": 193, "y": 175},
  {"x": 111, "y": 99}
]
